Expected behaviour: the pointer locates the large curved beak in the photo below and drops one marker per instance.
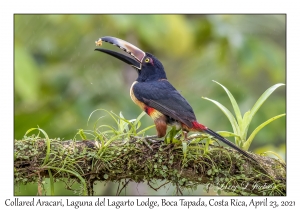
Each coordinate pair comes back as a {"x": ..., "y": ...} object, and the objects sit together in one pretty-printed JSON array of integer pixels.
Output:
[{"x": 136, "y": 53}]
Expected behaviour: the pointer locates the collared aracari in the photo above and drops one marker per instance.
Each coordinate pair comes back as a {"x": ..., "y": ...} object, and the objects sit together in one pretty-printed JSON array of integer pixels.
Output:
[{"x": 154, "y": 94}]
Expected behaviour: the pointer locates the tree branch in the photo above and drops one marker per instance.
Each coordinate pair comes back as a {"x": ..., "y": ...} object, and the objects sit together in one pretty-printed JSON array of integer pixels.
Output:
[{"x": 88, "y": 161}]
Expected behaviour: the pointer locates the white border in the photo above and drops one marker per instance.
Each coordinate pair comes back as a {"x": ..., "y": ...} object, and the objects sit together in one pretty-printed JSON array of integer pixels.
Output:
[{"x": 149, "y": 6}]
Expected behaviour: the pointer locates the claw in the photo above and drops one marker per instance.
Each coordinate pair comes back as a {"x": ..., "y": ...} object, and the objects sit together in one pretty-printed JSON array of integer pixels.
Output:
[
  {"x": 178, "y": 136},
  {"x": 185, "y": 135}
]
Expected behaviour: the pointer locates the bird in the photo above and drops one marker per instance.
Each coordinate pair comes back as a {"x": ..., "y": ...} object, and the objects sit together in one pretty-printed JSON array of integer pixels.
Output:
[{"x": 155, "y": 95}]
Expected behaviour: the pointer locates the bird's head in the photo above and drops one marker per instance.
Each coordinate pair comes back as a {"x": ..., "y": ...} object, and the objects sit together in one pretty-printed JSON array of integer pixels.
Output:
[{"x": 149, "y": 68}]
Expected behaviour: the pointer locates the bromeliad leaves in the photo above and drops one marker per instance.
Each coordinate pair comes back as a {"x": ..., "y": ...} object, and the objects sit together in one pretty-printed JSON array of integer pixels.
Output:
[{"x": 241, "y": 124}]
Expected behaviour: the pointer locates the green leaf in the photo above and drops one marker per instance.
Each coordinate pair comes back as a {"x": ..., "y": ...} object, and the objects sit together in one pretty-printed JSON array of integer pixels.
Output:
[
  {"x": 227, "y": 134},
  {"x": 234, "y": 104},
  {"x": 249, "y": 116},
  {"x": 123, "y": 123},
  {"x": 139, "y": 118},
  {"x": 47, "y": 142},
  {"x": 253, "y": 134},
  {"x": 184, "y": 149},
  {"x": 230, "y": 117},
  {"x": 206, "y": 146},
  {"x": 244, "y": 126},
  {"x": 71, "y": 172},
  {"x": 262, "y": 99},
  {"x": 51, "y": 182},
  {"x": 82, "y": 134},
  {"x": 169, "y": 138}
]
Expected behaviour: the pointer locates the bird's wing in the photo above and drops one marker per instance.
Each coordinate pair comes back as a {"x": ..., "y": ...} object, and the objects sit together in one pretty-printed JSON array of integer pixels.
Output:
[{"x": 163, "y": 97}]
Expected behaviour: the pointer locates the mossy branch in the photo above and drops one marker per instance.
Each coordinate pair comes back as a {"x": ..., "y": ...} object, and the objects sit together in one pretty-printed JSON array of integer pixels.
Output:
[{"x": 86, "y": 161}]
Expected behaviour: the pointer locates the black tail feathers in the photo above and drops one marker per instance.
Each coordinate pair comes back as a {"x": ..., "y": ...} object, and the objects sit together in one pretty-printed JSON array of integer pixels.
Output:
[{"x": 229, "y": 143}]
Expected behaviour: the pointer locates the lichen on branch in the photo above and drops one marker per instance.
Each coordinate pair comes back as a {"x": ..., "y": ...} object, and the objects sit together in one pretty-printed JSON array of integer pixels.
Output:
[{"x": 87, "y": 161}]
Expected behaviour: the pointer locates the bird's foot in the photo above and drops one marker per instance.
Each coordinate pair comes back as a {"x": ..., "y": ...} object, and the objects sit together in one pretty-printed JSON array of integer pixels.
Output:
[
  {"x": 152, "y": 139},
  {"x": 146, "y": 139},
  {"x": 184, "y": 134}
]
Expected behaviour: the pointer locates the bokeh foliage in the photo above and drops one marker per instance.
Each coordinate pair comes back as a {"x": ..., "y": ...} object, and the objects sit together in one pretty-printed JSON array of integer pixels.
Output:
[{"x": 59, "y": 79}]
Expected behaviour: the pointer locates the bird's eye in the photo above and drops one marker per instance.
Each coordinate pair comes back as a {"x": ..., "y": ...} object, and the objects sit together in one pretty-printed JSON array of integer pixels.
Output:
[{"x": 147, "y": 60}]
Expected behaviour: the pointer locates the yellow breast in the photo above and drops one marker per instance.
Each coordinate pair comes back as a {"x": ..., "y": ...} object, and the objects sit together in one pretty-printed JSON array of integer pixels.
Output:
[
  {"x": 153, "y": 113},
  {"x": 134, "y": 99}
]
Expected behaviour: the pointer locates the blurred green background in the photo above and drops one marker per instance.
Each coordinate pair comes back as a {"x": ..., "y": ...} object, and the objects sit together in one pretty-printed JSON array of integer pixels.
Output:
[{"x": 59, "y": 79}]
